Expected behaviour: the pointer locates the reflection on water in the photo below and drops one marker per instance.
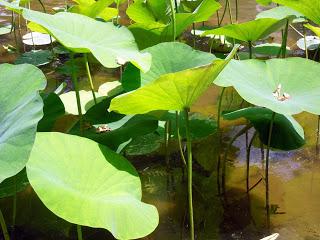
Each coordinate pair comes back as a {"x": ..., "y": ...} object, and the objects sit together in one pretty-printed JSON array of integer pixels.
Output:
[{"x": 294, "y": 182}]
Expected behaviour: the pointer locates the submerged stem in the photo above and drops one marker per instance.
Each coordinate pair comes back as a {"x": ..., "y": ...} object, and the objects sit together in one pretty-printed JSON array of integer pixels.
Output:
[
  {"x": 189, "y": 147},
  {"x": 267, "y": 168},
  {"x": 4, "y": 227},
  {"x": 79, "y": 232},
  {"x": 76, "y": 88},
  {"x": 248, "y": 160},
  {"x": 90, "y": 77}
]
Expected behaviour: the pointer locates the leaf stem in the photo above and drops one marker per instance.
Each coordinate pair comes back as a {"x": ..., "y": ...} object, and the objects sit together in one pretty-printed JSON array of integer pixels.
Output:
[
  {"x": 267, "y": 168},
  {"x": 248, "y": 160},
  {"x": 189, "y": 147},
  {"x": 14, "y": 203},
  {"x": 79, "y": 232},
  {"x": 4, "y": 227},
  {"x": 173, "y": 15},
  {"x": 250, "y": 50},
  {"x": 85, "y": 56},
  {"x": 284, "y": 40},
  {"x": 179, "y": 138},
  {"x": 76, "y": 88}
]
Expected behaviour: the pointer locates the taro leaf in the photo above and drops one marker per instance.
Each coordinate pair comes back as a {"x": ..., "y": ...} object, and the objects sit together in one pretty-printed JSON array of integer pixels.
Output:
[
  {"x": 271, "y": 49},
  {"x": 281, "y": 13},
  {"x": 166, "y": 58},
  {"x": 95, "y": 9},
  {"x": 35, "y": 57},
  {"x": 21, "y": 109},
  {"x": 173, "y": 91},
  {"x": 13, "y": 185},
  {"x": 287, "y": 134},
  {"x": 256, "y": 81},
  {"x": 249, "y": 31},
  {"x": 309, "y": 8},
  {"x": 53, "y": 109},
  {"x": 88, "y": 184},
  {"x": 111, "y": 45}
]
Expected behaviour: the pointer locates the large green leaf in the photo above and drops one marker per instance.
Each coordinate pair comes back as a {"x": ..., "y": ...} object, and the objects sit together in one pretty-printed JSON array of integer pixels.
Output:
[
  {"x": 249, "y": 31},
  {"x": 287, "y": 134},
  {"x": 173, "y": 91},
  {"x": 153, "y": 20},
  {"x": 309, "y": 8},
  {"x": 257, "y": 81},
  {"x": 166, "y": 58},
  {"x": 281, "y": 13},
  {"x": 111, "y": 45},
  {"x": 95, "y": 9},
  {"x": 21, "y": 109},
  {"x": 88, "y": 184}
]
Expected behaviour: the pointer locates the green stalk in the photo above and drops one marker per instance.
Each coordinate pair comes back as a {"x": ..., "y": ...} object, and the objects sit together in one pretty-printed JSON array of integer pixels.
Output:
[
  {"x": 167, "y": 140},
  {"x": 229, "y": 9},
  {"x": 79, "y": 232},
  {"x": 76, "y": 88},
  {"x": 284, "y": 40},
  {"x": 118, "y": 4},
  {"x": 42, "y": 5},
  {"x": 194, "y": 34},
  {"x": 179, "y": 138},
  {"x": 219, "y": 108},
  {"x": 4, "y": 227},
  {"x": 189, "y": 147},
  {"x": 305, "y": 42},
  {"x": 173, "y": 15},
  {"x": 250, "y": 50},
  {"x": 267, "y": 168},
  {"x": 224, "y": 13},
  {"x": 14, "y": 203},
  {"x": 85, "y": 56},
  {"x": 237, "y": 11}
]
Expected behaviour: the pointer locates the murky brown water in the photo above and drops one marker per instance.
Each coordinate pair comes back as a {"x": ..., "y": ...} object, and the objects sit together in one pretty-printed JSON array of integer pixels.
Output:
[{"x": 294, "y": 189}]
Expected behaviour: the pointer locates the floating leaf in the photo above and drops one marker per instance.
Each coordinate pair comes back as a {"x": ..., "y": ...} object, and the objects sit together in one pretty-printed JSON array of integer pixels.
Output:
[
  {"x": 88, "y": 184},
  {"x": 286, "y": 86},
  {"x": 287, "y": 134},
  {"x": 249, "y": 31},
  {"x": 312, "y": 43},
  {"x": 111, "y": 45},
  {"x": 35, "y": 57},
  {"x": 21, "y": 109},
  {"x": 37, "y": 39},
  {"x": 166, "y": 58},
  {"x": 271, "y": 49},
  {"x": 5, "y": 29}
]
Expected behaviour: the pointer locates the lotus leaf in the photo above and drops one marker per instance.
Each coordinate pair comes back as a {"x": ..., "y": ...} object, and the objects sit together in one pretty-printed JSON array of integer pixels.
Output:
[
  {"x": 286, "y": 86},
  {"x": 281, "y": 13},
  {"x": 166, "y": 58},
  {"x": 309, "y": 8},
  {"x": 88, "y": 184},
  {"x": 287, "y": 134},
  {"x": 111, "y": 45},
  {"x": 249, "y": 31},
  {"x": 21, "y": 110}
]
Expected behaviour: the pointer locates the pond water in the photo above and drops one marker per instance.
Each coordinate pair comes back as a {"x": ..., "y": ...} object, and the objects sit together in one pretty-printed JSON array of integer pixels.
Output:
[{"x": 294, "y": 180}]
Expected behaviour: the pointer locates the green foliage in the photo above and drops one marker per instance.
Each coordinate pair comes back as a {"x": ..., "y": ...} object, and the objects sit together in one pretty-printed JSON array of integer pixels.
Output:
[
  {"x": 281, "y": 13},
  {"x": 35, "y": 57},
  {"x": 21, "y": 110},
  {"x": 287, "y": 134},
  {"x": 88, "y": 184},
  {"x": 258, "y": 82},
  {"x": 249, "y": 31}
]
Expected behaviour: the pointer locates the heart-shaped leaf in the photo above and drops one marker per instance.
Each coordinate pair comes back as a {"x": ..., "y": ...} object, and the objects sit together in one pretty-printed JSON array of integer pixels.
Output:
[{"x": 88, "y": 184}]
